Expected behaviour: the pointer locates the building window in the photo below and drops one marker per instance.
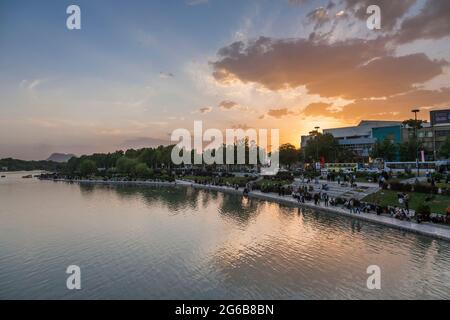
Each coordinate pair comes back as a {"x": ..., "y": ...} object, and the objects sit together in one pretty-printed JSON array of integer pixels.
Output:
[{"x": 443, "y": 133}]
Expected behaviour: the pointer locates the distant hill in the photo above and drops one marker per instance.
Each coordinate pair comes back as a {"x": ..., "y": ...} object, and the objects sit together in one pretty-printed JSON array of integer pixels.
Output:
[
  {"x": 60, "y": 157},
  {"x": 9, "y": 164}
]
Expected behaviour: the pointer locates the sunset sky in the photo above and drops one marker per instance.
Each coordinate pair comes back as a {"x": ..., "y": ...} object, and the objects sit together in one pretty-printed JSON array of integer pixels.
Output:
[{"x": 137, "y": 70}]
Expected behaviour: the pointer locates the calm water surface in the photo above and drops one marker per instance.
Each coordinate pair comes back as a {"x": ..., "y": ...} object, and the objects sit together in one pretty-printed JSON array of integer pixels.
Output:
[{"x": 169, "y": 243}]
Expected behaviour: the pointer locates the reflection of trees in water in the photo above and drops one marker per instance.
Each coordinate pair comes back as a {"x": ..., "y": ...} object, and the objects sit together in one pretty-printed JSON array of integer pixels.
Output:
[
  {"x": 178, "y": 199},
  {"x": 87, "y": 189},
  {"x": 206, "y": 197},
  {"x": 237, "y": 208},
  {"x": 174, "y": 198}
]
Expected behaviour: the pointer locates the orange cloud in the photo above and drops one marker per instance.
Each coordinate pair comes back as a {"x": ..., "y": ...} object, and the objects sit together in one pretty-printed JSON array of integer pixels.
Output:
[
  {"x": 350, "y": 69},
  {"x": 394, "y": 107},
  {"x": 279, "y": 113}
]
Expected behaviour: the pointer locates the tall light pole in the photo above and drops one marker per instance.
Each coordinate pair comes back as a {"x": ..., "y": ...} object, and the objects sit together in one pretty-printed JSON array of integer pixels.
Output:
[
  {"x": 416, "y": 127},
  {"x": 317, "y": 143}
]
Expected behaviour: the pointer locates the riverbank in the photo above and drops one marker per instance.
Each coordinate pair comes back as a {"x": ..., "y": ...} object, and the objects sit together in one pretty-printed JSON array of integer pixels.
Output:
[
  {"x": 111, "y": 182},
  {"x": 426, "y": 229}
]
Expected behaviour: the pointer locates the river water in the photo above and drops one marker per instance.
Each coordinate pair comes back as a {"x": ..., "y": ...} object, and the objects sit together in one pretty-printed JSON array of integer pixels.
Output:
[{"x": 183, "y": 243}]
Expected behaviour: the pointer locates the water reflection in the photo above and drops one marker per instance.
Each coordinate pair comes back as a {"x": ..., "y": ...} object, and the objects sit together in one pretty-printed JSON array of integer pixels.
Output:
[{"x": 178, "y": 242}]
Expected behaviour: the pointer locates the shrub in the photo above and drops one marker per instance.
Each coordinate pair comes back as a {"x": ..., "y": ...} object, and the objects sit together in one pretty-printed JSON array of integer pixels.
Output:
[
  {"x": 398, "y": 186},
  {"x": 423, "y": 188},
  {"x": 424, "y": 211},
  {"x": 438, "y": 176}
]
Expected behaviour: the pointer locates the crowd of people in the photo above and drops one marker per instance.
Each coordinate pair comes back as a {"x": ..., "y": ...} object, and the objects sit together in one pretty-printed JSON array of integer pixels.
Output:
[
  {"x": 342, "y": 180},
  {"x": 312, "y": 191}
]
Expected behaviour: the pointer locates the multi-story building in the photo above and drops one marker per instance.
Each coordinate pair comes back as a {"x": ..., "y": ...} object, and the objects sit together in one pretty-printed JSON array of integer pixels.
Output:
[
  {"x": 360, "y": 138},
  {"x": 432, "y": 135},
  {"x": 393, "y": 133}
]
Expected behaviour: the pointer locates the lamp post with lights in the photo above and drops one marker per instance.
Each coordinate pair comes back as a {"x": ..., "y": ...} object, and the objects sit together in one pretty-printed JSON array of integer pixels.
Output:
[{"x": 416, "y": 127}]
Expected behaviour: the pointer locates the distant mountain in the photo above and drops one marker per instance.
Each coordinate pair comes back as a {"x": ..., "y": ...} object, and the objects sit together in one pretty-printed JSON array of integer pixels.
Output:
[{"x": 60, "y": 157}]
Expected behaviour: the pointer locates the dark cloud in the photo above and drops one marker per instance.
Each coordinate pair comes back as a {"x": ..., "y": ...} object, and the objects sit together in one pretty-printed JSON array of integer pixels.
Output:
[
  {"x": 227, "y": 104},
  {"x": 205, "y": 110},
  {"x": 319, "y": 17},
  {"x": 331, "y": 5},
  {"x": 279, "y": 113},
  {"x": 165, "y": 75},
  {"x": 433, "y": 22},
  {"x": 350, "y": 69}
]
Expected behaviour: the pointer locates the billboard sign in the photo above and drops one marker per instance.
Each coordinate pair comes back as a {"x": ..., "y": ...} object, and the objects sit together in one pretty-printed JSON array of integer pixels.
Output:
[{"x": 440, "y": 117}]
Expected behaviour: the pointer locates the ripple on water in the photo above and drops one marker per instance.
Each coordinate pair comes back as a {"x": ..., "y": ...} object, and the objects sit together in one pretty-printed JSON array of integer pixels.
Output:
[{"x": 162, "y": 243}]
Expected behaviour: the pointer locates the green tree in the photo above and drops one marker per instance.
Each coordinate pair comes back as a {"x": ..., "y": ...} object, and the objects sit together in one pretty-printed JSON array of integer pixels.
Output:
[
  {"x": 325, "y": 145},
  {"x": 288, "y": 154},
  {"x": 408, "y": 150},
  {"x": 126, "y": 165},
  {"x": 385, "y": 149},
  {"x": 142, "y": 170},
  {"x": 87, "y": 167},
  {"x": 414, "y": 123},
  {"x": 444, "y": 150}
]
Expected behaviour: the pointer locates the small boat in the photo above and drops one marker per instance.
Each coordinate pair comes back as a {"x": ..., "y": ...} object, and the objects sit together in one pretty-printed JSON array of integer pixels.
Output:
[{"x": 27, "y": 177}]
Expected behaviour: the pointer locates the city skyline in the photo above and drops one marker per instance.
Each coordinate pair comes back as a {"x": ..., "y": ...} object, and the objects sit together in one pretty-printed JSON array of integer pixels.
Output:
[{"x": 137, "y": 71}]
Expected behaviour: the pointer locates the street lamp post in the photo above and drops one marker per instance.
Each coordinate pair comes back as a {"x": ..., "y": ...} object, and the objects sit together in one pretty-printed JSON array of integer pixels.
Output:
[
  {"x": 317, "y": 144},
  {"x": 417, "y": 139}
]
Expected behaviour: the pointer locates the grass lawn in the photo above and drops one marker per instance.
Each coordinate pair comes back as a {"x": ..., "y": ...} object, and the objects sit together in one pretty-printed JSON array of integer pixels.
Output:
[
  {"x": 269, "y": 182},
  {"x": 443, "y": 185},
  {"x": 389, "y": 198}
]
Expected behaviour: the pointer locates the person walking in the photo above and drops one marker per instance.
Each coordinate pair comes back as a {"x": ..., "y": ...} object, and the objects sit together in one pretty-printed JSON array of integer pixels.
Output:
[
  {"x": 406, "y": 202},
  {"x": 350, "y": 205},
  {"x": 326, "y": 199},
  {"x": 357, "y": 206}
]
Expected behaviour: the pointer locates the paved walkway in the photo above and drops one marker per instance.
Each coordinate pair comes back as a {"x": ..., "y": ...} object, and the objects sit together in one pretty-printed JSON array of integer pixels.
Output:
[
  {"x": 334, "y": 190},
  {"x": 413, "y": 180}
]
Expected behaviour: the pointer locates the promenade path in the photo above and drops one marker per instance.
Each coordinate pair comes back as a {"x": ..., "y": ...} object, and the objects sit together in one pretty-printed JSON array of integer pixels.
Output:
[
  {"x": 344, "y": 190},
  {"x": 428, "y": 229}
]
